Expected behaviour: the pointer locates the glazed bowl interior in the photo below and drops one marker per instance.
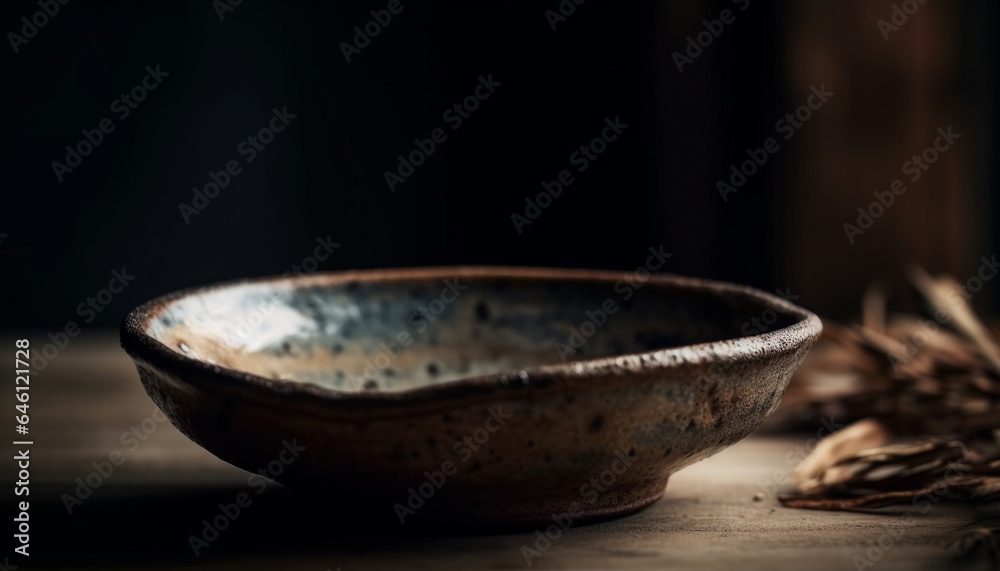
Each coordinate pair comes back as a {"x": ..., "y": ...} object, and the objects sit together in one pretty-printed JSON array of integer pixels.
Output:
[{"x": 358, "y": 334}]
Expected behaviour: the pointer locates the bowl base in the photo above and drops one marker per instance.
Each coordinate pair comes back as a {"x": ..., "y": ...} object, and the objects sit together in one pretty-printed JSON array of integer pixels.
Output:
[{"x": 476, "y": 516}]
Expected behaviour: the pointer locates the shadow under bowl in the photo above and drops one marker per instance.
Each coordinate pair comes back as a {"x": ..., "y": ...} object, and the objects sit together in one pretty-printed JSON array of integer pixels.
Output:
[{"x": 485, "y": 395}]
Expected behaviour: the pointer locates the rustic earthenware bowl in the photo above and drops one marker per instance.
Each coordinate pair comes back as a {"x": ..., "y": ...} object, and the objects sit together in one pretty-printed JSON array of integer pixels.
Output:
[{"x": 482, "y": 395}]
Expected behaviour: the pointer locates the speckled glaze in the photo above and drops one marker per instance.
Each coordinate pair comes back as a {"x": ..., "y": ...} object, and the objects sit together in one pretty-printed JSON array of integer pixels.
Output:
[{"x": 479, "y": 395}]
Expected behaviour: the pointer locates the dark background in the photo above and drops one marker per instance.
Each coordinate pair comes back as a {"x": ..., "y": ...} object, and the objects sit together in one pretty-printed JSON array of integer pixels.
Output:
[{"x": 323, "y": 176}]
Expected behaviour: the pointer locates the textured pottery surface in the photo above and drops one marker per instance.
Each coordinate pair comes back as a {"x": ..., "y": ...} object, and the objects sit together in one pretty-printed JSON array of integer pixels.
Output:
[{"x": 451, "y": 383}]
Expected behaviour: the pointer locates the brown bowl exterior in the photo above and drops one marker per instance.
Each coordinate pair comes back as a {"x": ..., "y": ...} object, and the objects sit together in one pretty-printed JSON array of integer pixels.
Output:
[{"x": 573, "y": 441}]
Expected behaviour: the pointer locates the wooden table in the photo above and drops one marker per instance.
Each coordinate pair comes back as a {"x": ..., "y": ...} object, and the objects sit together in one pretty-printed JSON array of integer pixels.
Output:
[{"x": 142, "y": 514}]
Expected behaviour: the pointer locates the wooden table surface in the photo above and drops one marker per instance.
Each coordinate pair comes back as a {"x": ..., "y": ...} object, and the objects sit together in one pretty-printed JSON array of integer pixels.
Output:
[{"x": 143, "y": 513}]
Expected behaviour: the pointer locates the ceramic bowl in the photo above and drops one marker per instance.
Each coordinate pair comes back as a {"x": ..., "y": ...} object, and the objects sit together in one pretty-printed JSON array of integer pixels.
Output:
[{"x": 472, "y": 394}]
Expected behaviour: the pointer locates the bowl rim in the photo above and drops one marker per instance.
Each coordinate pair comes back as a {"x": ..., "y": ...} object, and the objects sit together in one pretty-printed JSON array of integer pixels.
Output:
[{"x": 143, "y": 347}]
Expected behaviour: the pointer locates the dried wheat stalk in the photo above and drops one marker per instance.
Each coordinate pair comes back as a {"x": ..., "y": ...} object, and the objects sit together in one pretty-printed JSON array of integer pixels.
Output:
[
  {"x": 912, "y": 374},
  {"x": 924, "y": 396}
]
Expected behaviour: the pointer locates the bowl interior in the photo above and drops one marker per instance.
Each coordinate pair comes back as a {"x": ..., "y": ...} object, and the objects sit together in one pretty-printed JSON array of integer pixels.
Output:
[{"x": 404, "y": 332}]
